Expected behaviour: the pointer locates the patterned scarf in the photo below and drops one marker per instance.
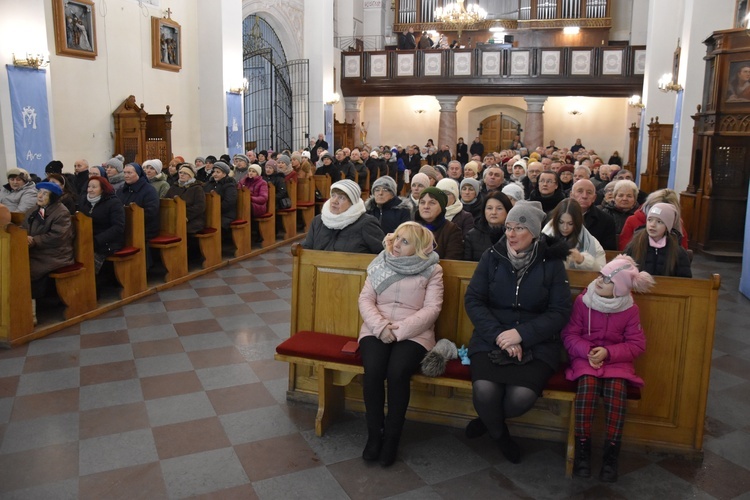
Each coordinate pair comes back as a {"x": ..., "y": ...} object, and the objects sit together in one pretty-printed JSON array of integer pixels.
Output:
[{"x": 385, "y": 269}]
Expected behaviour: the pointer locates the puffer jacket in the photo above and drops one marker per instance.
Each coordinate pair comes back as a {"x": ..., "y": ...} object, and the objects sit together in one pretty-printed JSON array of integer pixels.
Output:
[
  {"x": 620, "y": 333},
  {"x": 108, "y": 221},
  {"x": 22, "y": 200},
  {"x": 361, "y": 236},
  {"x": 538, "y": 307},
  {"x": 145, "y": 196},
  {"x": 195, "y": 204},
  {"x": 390, "y": 215},
  {"x": 413, "y": 304},
  {"x": 226, "y": 188},
  {"x": 52, "y": 235},
  {"x": 258, "y": 194}
]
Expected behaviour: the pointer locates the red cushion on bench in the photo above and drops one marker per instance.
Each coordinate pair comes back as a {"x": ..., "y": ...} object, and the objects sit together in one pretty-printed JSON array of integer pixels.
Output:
[
  {"x": 286, "y": 211},
  {"x": 167, "y": 239},
  {"x": 319, "y": 346},
  {"x": 126, "y": 252},
  {"x": 266, "y": 215},
  {"x": 238, "y": 222},
  {"x": 75, "y": 266},
  {"x": 206, "y": 230},
  {"x": 454, "y": 369},
  {"x": 305, "y": 204}
]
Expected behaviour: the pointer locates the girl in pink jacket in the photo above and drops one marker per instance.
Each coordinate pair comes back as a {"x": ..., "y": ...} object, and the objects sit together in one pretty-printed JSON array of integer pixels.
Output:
[
  {"x": 603, "y": 338},
  {"x": 400, "y": 302}
]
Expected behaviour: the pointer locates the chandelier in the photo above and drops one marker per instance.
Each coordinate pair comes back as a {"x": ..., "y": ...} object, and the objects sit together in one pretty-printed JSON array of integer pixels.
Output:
[{"x": 460, "y": 17}]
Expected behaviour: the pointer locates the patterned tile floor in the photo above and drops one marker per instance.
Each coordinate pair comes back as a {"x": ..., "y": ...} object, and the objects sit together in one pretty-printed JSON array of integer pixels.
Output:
[{"x": 178, "y": 395}]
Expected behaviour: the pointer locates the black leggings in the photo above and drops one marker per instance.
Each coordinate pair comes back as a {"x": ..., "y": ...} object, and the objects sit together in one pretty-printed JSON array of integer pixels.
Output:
[
  {"x": 496, "y": 402},
  {"x": 395, "y": 362}
]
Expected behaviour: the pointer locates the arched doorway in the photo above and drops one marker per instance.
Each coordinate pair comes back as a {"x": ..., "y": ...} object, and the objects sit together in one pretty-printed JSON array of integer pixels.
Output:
[
  {"x": 277, "y": 112},
  {"x": 498, "y": 131}
]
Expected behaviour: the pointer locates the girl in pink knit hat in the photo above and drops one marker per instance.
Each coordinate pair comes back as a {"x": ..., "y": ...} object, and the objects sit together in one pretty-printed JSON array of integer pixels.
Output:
[
  {"x": 656, "y": 248},
  {"x": 603, "y": 338}
]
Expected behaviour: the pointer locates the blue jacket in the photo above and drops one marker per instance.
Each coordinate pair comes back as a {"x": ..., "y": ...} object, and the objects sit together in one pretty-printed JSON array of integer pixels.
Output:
[{"x": 145, "y": 196}]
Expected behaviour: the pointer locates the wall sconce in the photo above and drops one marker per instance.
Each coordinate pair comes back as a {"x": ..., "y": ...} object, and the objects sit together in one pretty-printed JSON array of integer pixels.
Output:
[
  {"x": 240, "y": 90},
  {"x": 575, "y": 112},
  {"x": 666, "y": 83},
  {"x": 635, "y": 102},
  {"x": 571, "y": 30},
  {"x": 333, "y": 98},
  {"x": 420, "y": 111},
  {"x": 35, "y": 61}
]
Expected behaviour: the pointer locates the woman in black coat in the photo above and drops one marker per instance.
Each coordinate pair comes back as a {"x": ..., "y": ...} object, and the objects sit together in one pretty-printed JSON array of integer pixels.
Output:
[
  {"x": 489, "y": 227},
  {"x": 518, "y": 300},
  {"x": 191, "y": 191},
  {"x": 107, "y": 218},
  {"x": 138, "y": 190},
  {"x": 385, "y": 206},
  {"x": 226, "y": 188}
]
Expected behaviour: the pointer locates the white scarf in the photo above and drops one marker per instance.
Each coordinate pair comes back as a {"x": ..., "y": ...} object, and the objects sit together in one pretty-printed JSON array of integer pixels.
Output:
[
  {"x": 342, "y": 220},
  {"x": 605, "y": 305},
  {"x": 453, "y": 210}
]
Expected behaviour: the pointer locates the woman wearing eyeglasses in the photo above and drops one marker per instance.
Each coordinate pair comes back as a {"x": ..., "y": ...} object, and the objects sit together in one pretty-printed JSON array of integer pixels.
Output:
[
  {"x": 518, "y": 300},
  {"x": 343, "y": 225}
]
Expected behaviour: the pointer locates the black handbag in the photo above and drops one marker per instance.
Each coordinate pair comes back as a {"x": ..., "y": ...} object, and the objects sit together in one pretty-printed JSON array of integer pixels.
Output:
[{"x": 285, "y": 203}]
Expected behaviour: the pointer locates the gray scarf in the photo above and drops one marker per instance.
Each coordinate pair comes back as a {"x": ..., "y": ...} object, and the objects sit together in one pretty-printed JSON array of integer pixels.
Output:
[
  {"x": 385, "y": 269},
  {"x": 521, "y": 261}
]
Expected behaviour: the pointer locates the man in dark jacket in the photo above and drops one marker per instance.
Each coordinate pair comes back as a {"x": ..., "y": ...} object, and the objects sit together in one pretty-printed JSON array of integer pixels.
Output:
[
  {"x": 342, "y": 165},
  {"x": 477, "y": 148},
  {"x": 82, "y": 177},
  {"x": 137, "y": 189},
  {"x": 600, "y": 224}
]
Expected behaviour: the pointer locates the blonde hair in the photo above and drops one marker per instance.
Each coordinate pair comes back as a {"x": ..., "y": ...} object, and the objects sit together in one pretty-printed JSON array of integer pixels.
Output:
[{"x": 424, "y": 241}]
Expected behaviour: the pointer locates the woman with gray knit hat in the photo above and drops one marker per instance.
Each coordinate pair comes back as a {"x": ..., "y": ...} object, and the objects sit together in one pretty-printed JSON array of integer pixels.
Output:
[
  {"x": 431, "y": 214},
  {"x": 518, "y": 300},
  {"x": 385, "y": 206},
  {"x": 115, "y": 176},
  {"x": 343, "y": 225}
]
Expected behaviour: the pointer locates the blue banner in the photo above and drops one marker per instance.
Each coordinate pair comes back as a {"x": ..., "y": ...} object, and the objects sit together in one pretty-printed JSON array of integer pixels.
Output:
[
  {"x": 328, "y": 117},
  {"x": 235, "y": 140},
  {"x": 675, "y": 140},
  {"x": 745, "y": 274},
  {"x": 638, "y": 159},
  {"x": 31, "y": 129}
]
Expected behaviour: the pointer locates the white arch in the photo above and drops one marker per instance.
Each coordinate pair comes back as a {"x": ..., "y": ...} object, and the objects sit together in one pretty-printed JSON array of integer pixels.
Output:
[{"x": 286, "y": 17}]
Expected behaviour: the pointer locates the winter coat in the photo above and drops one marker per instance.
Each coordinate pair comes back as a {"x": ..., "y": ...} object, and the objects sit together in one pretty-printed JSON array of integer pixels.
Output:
[
  {"x": 480, "y": 238},
  {"x": 52, "y": 246},
  {"x": 377, "y": 168},
  {"x": 108, "y": 221},
  {"x": 160, "y": 184},
  {"x": 538, "y": 307},
  {"x": 465, "y": 222},
  {"x": 594, "y": 257},
  {"x": 258, "y": 194},
  {"x": 528, "y": 187},
  {"x": 195, "y": 204},
  {"x": 81, "y": 184},
  {"x": 226, "y": 188},
  {"x": 548, "y": 202},
  {"x": 22, "y": 200},
  {"x": 656, "y": 261},
  {"x": 339, "y": 167},
  {"x": 412, "y": 303},
  {"x": 619, "y": 216},
  {"x": 601, "y": 226},
  {"x": 620, "y": 333},
  {"x": 449, "y": 240},
  {"x": 361, "y": 236},
  {"x": 390, "y": 215},
  {"x": 361, "y": 169},
  {"x": 145, "y": 196},
  {"x": 638, "y": 221},
  {"x": 476, "y": 208},
  {"x": 278, "y": 181},
  {"x": 462, "y": 153}
]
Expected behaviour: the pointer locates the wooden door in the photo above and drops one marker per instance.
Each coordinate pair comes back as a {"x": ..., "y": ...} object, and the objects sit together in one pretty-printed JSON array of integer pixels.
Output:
[{"x": 498, "y": 132}]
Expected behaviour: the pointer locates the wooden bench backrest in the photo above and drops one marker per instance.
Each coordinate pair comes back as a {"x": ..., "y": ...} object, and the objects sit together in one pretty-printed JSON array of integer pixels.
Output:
[
  {"x": 213, "y": 210},
  {"x": 304, "y": 193},
  {"x": 323, "y": 185},
  {"x": 17, "y": 218},
  {"x": 271, "y": 199},
  {"x": 15, "y": 284},
  {"x": 243, "y": 203},
  {"x": 135, "y": 234},
  {"x": 678, "y": 316},
  {"x": 83, "y": 244},
  {"x": 173, "y": 217},
  {"x": 291, "y": 189}
]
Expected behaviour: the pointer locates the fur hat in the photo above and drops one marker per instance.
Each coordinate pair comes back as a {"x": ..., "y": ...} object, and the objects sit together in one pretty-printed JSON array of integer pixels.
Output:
[
  {"x": 155, "y": 164},
  {"x": 435, "y": 361},
  {"x": 468, "y": 181},
  {"x": 623, "y": 272},
  {"x": 348, "y": 187},
  {"x": 514, "y": 191},
  {"x": 51, "y": 187},
  {"x": 450, "y": 186},
  {"x": 528, "y": 214},
  {"x": 256, "y": 168},
  {"x": 665, "y": 213},
  {"x": 18, "y": 172},
  {"x": 386, "y": 182},
  {"x": 222, "y": 166},
  {"x": 114, "y": 163}
]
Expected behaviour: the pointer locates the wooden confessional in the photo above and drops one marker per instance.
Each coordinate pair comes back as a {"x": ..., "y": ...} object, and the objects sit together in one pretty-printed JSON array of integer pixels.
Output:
[{"x": 140, "y": 136}]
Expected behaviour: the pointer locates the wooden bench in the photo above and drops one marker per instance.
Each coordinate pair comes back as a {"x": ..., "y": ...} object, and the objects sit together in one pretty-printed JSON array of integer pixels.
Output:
[
  {"x": 130, "y": 262},
  {"x": 288, "y": 216},
  {"x": 76, "y": 283},
  {"x": 209, "y": 238},
  {"x": 676, "y": 365},
  {"x": 16, "y": 318},
  {"x": 306, "y": 201},
  {"x": 267, "y": 221},
  {"x": 323, "y": 185},
  {"x": 240, "y": 227},
  {"x": 172, "y": 239}
]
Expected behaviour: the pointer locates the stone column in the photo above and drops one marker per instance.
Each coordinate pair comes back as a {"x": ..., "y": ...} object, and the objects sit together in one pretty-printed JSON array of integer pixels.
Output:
[
  {"x": 353, "y": 114},
  {"x": 533, "y": 135},
  {"x": 448, "y": 128}
]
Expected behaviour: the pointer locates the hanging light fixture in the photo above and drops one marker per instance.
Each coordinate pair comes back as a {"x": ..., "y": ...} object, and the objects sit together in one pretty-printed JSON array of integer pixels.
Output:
[{"x": 459, "y": 17}]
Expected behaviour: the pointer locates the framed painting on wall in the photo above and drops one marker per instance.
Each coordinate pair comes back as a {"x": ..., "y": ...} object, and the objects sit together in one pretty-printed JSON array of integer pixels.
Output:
[
  {"x": 75, "y": 28},
  {"x": 166, "y": 44}
]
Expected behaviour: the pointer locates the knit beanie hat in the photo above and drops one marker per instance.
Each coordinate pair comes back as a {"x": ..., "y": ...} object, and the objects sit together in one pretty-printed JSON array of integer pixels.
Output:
[
  {"x": 54, "y": 167},
  {"x": 450, "y": 186},
  {"x": 51, "y": 187},
  {"x": 243, "y": 158},
  {"x": 430, "y": 172},
  {"x": 349, "y": 188},
  {"x": 155, "y": 164},
  {"x": 323, "y": 157},
  {"x": 283, "y": 159},
  {"x": 306, "y": 154},
  {"x": 114, "y": 163},
  {"x": 473, "y": 166},
  {"x": 374, "y": 154},
  {"x": 18, "y": 172},
  {"x": 222, "y": 166},
  {"x": 255, "y": 168},
  {"x": 188, "y": 169},
  {"x": 421, "y": 178},
  {"x": 622, "y": 271},
  {"x": 436, "y": 194},
  {"x": 199, "y": 159},
  {"x": 272, "y": 164},
  {"x": 386, "y": 182},
  {"x": 528, "y": 214},
  {"x": 471, "y": 182},
  {"x": 665, "y": 213},
  {"x": 520, "y": 162},
  {"x": 514, "y": 191}
]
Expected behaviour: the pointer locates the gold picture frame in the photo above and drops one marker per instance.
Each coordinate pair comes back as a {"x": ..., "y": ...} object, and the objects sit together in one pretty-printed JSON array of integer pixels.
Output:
[
  {"x": 166, "y": 44},
  {"x": 75, "y": 28}
]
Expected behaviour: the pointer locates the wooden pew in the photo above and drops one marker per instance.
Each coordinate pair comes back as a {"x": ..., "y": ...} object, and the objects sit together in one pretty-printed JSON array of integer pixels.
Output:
[
  {"x": 172, "y": 238},
  {"x": 76, "y": 283},
  {"x": 366, "y": 191},
  {"x": 130, "y": 262},
  {"x": 306, "y": 201},
  {"x": 209, "y": 238},
  {"x": 678, "y": 317},
  {"x": 289, "y": 215},
  {"x": 240, "y": 227},
  {"x": 16, "y": 318},
  {"x": 323, "y": 185},
  {"x": 267, "y": 221}
]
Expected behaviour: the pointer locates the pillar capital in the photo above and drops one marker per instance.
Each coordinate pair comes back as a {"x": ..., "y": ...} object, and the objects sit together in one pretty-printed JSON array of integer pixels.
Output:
[
  {"x": 535, "y": 103},
  {"x": 353, "y": 103},
  {"x": 448, "y": 103}
]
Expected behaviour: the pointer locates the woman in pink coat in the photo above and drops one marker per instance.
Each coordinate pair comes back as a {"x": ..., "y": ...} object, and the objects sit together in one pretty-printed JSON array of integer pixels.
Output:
[
  {"x": 603, "y": 338},
  {"x": 400, "y": 302}
]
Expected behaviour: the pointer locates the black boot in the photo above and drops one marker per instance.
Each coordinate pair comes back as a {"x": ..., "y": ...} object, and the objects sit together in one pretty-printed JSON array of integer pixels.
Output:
[
  {"x": 608, "y": 474},
  {"x": 582, "y": 462},
  {"x": 475, "y": 428},
  {"x": 374, "y": 445},
  {"x": 391, "y": 438},
  {"x": 508, "y": 447}
]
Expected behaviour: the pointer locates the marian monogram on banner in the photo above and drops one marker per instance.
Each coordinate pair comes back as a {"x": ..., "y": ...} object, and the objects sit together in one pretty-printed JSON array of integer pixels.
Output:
[
  {"x": 29, "y": 117},
  {"x": 30, "y": 112}
]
